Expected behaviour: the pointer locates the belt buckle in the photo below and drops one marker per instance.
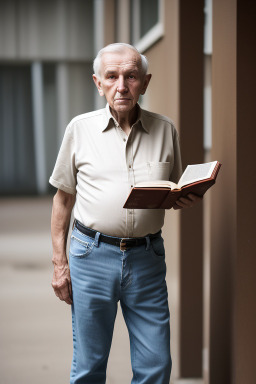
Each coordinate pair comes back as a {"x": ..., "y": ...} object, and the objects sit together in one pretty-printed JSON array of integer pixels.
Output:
[{"x": 123, "y": 245}]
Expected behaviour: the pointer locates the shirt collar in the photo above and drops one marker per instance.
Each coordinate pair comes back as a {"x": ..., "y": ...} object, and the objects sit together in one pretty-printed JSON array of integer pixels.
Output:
[{"x": 111, "y": 121}]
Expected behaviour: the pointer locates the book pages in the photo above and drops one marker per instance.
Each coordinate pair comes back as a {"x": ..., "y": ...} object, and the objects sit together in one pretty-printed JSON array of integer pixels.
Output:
[
  {"x": 157, "y": 184},
  {"x": 196, "y": 172}
]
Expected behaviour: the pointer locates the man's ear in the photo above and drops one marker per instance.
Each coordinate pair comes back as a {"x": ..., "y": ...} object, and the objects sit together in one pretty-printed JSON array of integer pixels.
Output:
[
  {"x": 98, "y": 84},
  {"x": 146, "y": 83}
]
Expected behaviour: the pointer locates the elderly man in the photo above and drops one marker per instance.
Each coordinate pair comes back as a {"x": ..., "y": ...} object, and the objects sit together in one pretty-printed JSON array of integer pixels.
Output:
[{"x": 115, "y": 254}]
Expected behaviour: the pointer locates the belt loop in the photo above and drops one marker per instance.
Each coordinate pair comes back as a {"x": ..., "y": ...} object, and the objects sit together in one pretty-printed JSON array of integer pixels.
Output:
[
  {"x": 97, "y": 239},
  {"x": 148, "y": 243}
]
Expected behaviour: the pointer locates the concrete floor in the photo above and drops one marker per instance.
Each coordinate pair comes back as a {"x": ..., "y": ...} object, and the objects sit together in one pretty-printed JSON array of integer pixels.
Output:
[{"x": 35, "y": 327}]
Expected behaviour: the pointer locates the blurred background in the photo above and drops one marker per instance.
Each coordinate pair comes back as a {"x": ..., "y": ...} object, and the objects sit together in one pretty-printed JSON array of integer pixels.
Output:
[{"x": 202, "y": 57}]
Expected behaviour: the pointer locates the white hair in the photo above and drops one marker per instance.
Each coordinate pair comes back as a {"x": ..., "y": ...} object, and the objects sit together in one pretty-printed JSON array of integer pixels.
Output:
[{"x": 118, "y": 47}]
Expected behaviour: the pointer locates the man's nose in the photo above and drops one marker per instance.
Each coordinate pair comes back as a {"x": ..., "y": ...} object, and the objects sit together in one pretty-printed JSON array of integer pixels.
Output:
[{"x": 121, "y": 88}]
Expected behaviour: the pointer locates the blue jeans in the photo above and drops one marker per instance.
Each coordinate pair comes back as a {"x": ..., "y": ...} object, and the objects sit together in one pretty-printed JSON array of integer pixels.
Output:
[{"x": 101, "y": 275}]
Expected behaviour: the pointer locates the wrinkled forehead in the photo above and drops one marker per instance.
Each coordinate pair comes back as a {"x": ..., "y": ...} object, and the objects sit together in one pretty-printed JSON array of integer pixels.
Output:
[{"x": 126, "y": 59}]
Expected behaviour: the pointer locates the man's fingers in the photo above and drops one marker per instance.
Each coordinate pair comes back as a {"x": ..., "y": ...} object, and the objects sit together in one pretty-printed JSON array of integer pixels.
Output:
[
  {"x": 183, "y": 202},
  {"x": 57, "y": 293},
  {"x": 187, "y": 202},
  {"x": 176, "y": 206},
  {"x": 66, "y": 294},
  {"x": 193, "y": 197},
  {"x": 70, "y": 289},
  {"x": 57, "y": 290},
  {"x": 63, "y": 295},
  {"x": 63, "y": 291}
]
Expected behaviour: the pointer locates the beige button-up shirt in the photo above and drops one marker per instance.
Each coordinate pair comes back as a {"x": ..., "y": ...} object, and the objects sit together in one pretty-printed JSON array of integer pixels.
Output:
[{"x": 99, "y": 163}]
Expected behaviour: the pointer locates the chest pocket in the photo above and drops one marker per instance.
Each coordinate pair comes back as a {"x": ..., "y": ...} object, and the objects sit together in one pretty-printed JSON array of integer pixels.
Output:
[{"x": 159, "y": 170}]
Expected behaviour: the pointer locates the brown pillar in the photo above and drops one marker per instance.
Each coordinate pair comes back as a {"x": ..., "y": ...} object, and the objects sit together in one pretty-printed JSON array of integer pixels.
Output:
[
  {"x": 109, "y": 21},
  {"x": 176, "y": 62},
  {"x": 223, "y": 199},
  {"x": 191, "y": 22},
  {"x": 233, "y": 240},
  {"x": 245, "y": 267}
]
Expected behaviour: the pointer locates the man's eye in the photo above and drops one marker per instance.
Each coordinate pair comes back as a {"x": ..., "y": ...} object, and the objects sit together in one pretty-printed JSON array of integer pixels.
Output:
[
  {"x": 131, "y": 77},
  {"x": 111, "y": 77}
]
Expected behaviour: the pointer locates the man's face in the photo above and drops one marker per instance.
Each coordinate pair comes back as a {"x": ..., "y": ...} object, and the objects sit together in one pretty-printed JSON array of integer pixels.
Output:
[{"x": 121, "y": 80}]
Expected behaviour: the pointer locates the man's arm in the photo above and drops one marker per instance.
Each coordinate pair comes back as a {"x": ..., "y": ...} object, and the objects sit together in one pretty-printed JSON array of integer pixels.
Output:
[
  {"x": 187, "y": 202},
  {"x": 61, "y": 211}
]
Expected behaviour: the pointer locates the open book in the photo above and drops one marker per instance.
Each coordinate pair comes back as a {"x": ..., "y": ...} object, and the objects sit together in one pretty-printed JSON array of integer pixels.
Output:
[{"x": 161, "y": 194}]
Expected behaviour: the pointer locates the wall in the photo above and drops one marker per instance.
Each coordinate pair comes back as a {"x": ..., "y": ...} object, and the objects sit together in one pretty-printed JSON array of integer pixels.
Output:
[
  {"x": 50, "y": 30},
  {"x": 233, "y": 241},
  {"x": 46, "y": 52}
]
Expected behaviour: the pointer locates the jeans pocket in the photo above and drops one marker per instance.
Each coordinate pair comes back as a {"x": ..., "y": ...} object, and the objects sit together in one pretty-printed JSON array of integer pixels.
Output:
[
  {"x": 80, "y": 248},
  {"x": 157, "y": 248}
]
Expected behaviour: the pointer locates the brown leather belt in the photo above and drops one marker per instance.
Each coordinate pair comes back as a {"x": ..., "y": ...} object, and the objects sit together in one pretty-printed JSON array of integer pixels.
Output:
[{"x": 123, "y": 243}]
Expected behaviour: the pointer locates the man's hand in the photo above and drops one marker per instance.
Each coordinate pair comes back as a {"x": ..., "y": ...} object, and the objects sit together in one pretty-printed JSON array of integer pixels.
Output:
[
  {"x": 61, "y": 282},
  {"x": 61, "y": 211},
  {"x": 187, "y": 202}
]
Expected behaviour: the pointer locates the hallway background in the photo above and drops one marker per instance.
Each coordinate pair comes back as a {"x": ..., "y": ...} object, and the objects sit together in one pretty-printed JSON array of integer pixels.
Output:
[{"x": 202, "y": 57}]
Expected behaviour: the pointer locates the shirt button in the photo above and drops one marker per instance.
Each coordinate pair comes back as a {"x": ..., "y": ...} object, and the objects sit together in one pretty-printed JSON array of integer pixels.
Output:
[
  {"x": 130, "y": 211},
  {"x": 124, "y": 139}
]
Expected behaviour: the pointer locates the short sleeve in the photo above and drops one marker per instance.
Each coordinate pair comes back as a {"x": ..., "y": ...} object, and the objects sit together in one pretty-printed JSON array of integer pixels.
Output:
[
  {"x": 64, "y": 173},
  {"x": 177, "y": 166}
]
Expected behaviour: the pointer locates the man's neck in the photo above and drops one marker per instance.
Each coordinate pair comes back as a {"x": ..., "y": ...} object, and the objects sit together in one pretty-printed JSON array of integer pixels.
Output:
[{"x": 126, "y": 120}]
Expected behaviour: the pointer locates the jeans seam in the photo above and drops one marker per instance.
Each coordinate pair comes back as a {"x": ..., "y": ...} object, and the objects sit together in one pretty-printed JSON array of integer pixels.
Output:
[
  {"x": 133, "y": 351},
  {"x": 74, "y": 363}
]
